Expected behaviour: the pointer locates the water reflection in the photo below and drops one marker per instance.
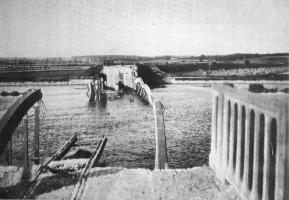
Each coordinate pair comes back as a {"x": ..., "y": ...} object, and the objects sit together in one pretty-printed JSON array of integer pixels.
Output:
[
  {"x": 99, "y": 105},
  {"x": 102, "y": 100}
]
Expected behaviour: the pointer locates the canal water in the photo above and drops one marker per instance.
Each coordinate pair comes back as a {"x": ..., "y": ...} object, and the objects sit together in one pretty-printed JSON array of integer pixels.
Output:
[{"x": 129, "y": 125}]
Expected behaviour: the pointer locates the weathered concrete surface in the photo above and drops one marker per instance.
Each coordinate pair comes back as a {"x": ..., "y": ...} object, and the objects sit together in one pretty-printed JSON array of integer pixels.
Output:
[
  {"x": 118, "y": 183},
  {"x": 62, "y": 186},
  {"x": 14, "y": 181}
]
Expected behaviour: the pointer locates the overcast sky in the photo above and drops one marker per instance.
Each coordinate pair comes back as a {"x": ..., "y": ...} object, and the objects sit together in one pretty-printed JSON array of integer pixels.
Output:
[{"x": 49, "y": 28}]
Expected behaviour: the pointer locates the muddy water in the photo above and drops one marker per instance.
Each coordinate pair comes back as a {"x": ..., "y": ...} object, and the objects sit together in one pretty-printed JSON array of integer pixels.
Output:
[{"x": 128, "y": 125}]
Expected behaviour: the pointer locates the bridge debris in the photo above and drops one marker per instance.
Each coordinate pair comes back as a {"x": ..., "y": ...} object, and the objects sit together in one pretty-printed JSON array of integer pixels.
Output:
[
  {"x": 90, "y": 164},
  {"x": 15, "y": 113},
  {"x": 57, "y": 156}
]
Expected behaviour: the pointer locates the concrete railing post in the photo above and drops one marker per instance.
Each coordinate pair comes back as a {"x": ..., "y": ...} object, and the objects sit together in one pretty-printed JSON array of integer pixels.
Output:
[
  {"x": 239, "y": 143},
  {"x": 213, "y": 131},
  {"x": 282, "y": 152},
  {"x": 220, "y": 133},
  {"x": 225, "y": 135},
  {"x": 36, "y": 135},
  {"x": 161, "y": 158},
  {"x": 255, "y": 185},
  {"x": 232, "y": 140},
  {"x": 267, "y": 161},
  {"x": 247, "y": 150}
]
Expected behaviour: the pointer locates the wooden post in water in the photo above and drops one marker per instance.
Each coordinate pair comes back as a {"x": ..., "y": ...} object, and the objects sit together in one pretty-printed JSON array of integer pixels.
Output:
[
  {"x": 25, "y": 132},
  {"x": 36, "y": 135},
  {"x": 8, "y": 153},
  {"x": 161, "y": 158}
]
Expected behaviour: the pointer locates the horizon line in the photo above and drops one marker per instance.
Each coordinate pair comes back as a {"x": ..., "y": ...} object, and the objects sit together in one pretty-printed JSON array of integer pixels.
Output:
[{"x": 150, "y": 56}]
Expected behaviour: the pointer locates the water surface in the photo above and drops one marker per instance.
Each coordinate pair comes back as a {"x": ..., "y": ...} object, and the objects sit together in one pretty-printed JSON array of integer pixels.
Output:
[{"x": 128, "y": 125}]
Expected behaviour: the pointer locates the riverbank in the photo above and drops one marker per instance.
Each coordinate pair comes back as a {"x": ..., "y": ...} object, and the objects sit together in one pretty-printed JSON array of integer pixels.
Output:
[
  {"x": 268, "y": 77},
  {"x": 238, "y": 83},
  {"x": 153, "y": 75}
]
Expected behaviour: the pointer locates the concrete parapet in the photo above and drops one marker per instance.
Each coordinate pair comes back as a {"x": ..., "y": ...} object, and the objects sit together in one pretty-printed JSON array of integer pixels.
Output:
[
  {"x": 143, "y": 91},
  {"x": 249, "y": 145}
]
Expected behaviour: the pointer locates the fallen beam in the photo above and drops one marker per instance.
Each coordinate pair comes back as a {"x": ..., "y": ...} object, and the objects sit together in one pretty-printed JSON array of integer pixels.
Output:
[
  {"x": 66, "y": 148},
  {"x": 57, "y": 156},
  {"x": 78, "y": 189},
  {"x": 161, "y": 157}
]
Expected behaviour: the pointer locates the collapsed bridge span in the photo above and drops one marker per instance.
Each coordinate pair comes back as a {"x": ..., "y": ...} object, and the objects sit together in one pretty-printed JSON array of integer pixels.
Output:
[{"x": 15, "y": 113}]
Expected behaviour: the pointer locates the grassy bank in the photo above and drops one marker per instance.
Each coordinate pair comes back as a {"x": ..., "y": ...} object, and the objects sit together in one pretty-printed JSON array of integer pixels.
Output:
[{"x": 221, "y": 71}]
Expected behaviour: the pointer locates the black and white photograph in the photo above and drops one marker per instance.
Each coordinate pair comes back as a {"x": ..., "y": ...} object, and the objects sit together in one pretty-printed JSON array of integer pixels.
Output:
[{"x": 144, "y": 99}]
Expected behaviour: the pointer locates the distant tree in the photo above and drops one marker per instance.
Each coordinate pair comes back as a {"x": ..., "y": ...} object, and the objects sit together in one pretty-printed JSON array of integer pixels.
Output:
[
  {"x": 247, "y": 62},
  {"x": 202, "y": 57}
]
